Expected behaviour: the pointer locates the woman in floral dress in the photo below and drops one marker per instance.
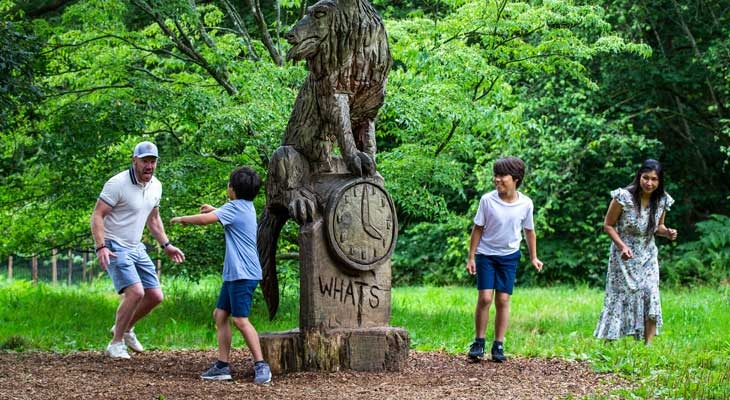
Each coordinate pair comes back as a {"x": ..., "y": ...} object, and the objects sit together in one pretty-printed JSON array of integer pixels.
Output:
[{"x": 635, "y": 215}]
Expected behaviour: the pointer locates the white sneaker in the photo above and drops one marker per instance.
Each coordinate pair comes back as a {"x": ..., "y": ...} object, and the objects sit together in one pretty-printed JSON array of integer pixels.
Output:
[
  {"x": 130, "y": 339},
  {"x": 117, "y": 350}
]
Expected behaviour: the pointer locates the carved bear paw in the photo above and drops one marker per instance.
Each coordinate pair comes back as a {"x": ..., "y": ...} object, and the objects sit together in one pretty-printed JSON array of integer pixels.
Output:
[
  {"x": 303, "y": 207},
  {"x": 361, "y": 164}
]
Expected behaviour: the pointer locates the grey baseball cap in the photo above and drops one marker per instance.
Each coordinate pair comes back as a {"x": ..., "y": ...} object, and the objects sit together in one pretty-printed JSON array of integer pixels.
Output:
[{"x": 145, "y": 149}]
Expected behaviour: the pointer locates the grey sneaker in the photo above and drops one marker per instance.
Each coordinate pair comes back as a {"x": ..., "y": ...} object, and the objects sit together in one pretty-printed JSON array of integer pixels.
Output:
[
  {"x": 262, "y": 372},
  {"x": 217, "y": 374},
  {"x": 117, "y": 350},
  {"x": 498, "y": 352},
  {"x": 476, "y": 351}
]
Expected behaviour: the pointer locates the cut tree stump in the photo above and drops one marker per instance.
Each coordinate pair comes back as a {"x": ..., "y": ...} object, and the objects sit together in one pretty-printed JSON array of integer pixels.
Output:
[{"x": 358, "y": 349}]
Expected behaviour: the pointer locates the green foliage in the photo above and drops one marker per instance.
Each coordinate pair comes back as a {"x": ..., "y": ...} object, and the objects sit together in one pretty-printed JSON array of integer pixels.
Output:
[
  {"x": 433, "y": 253},
  {"x": 112, "y": 87},
  {"x": 506, "y": 78},
  {"x": 704, "y": 260},
  {"x": 679, "y": 96},
  {"x": 17, "y": 76},
  {"x": 575, "y": 158},
  {"x": 470, "y": 83},
  {"x": 581, "y": 91}
]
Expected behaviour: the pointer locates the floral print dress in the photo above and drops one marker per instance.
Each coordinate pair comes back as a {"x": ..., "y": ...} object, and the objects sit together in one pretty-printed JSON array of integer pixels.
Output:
[{"x": 632, "y": 286}]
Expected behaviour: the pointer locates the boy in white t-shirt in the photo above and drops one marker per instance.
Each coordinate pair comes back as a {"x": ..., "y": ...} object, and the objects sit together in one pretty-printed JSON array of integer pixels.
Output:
[{"x": 494, "y": 251}]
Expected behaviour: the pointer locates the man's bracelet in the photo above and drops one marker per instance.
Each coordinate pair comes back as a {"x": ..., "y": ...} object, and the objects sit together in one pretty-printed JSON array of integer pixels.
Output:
[
  {"x": 99, "y": 248},
  {"x": 164, "y": 246}
]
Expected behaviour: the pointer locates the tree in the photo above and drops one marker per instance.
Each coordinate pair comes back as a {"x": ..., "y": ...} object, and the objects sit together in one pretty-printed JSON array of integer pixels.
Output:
[
  {"x": 680, "y": 97},
  {"x": 582, "y": 94},
  {"x": 493, "y": 79},
  {"x": 17, "y": 81},
  {"x": 111, "y": 81}
]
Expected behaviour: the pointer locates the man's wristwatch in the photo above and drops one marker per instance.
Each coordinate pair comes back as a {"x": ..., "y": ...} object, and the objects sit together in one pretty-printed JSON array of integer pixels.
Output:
[{"x": 164, "y": 246}]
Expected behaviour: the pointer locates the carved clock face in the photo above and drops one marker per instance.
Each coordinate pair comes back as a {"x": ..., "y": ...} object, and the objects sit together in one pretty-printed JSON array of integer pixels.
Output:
[{"x": 361, "y": 224}]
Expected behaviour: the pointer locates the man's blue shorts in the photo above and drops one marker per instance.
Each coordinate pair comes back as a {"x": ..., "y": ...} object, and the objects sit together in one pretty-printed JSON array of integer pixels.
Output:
[
  {"x": 130, "y": 266},
  {"x": 236, "y": 297},
  {"x": 497, "y": 272}
]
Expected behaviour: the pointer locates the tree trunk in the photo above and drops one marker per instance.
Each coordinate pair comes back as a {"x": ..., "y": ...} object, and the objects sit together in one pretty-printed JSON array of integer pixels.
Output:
[{"x": 264, "y": 30}]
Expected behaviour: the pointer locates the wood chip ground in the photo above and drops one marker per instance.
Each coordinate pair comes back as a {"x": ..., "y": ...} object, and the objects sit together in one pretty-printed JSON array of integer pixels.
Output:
[{"x": 175, "y": 375}]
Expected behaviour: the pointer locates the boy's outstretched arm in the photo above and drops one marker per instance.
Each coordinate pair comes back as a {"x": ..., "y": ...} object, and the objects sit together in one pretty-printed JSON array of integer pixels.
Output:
[{"x": 206, "y": 217}]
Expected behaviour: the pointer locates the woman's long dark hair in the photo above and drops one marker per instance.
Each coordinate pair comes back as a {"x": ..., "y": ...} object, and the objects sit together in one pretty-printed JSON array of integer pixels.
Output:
[{"x": 656, "y": 195}]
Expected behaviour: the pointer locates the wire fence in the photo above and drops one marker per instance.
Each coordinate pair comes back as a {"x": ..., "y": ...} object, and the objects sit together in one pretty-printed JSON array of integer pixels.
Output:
[{"x": 70, "y": 267}]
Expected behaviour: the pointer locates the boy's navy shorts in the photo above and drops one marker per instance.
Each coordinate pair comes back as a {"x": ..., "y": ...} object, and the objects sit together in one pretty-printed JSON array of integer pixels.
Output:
[
  {"x": 497, "y": 272},
  {"x": 236, "y": 297}
]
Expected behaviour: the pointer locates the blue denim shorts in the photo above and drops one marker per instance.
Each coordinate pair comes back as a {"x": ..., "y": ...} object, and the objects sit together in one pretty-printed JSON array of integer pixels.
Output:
[
  {"x": 236, "y": 297},
  {"x": 130, "y": 266},
  {"x": 497, "y": 272}
]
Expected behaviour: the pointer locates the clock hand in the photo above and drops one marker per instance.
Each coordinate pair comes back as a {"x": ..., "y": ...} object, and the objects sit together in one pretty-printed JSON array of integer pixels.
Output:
[{"x": 366, "y": 224}]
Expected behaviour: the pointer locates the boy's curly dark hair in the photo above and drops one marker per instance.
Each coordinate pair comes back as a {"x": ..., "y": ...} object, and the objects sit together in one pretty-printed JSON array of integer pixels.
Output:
[{"x": 245, "y": 182}]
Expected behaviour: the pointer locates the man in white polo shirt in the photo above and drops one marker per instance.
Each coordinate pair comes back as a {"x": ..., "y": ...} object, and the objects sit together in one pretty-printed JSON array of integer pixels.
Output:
[{"x": 128, "y": 202}]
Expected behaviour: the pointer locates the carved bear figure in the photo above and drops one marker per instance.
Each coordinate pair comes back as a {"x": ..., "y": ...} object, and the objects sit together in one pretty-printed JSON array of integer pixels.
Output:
[{"x": 346, "y": 50}]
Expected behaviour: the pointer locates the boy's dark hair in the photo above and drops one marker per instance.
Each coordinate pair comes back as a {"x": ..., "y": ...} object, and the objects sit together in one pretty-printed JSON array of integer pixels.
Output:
[
  {"x": 512, "y": 166},
  {"x": 245, "y": 182}
]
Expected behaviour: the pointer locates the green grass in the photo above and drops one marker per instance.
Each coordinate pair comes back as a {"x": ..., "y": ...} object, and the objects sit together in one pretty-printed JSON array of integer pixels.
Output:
[{"x": 690, "y": 359}]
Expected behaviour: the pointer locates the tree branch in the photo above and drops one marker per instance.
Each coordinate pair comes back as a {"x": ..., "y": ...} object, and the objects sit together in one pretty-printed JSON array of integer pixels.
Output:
[
  {"x": 240, "y": 28},
  {"x": 454, "y": 125},
  {"x": 485, "y": 92},
  {"x": 201, "y": 26},
  {"x": 90, "y": 90},
  {"x": 183, "y": 43},
  {"x": 264, "y": 30}
]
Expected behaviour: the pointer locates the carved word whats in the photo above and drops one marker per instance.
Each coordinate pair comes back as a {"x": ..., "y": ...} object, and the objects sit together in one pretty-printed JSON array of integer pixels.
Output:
[{"x": 349, "y": 291}]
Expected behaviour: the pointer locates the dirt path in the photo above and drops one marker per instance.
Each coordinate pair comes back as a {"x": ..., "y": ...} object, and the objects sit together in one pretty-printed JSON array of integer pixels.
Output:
[{"x": 174, "y": 375}]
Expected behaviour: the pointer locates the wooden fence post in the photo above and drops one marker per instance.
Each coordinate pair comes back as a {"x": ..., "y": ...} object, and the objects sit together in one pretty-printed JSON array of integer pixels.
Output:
[
  {"x": 83, "y": 266},
  {"x": 34, "y": 269},
  {"x": 54, "y": 266},
  {"x": 70, "y": 266},
  {"x": 10, "y": 267}
]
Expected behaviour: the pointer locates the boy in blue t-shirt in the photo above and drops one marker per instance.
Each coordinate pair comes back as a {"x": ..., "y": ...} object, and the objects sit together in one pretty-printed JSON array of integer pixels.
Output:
[{"x": 241, "y": 271}]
